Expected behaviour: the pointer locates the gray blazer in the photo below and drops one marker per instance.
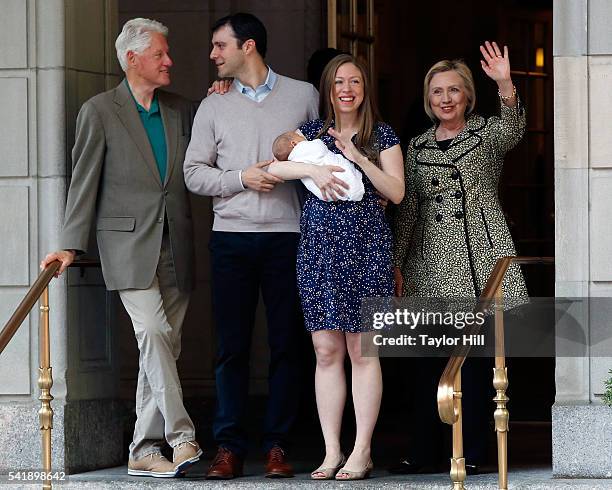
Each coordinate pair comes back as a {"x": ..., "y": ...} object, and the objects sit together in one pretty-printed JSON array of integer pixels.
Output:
[{"x": 116, "y": 187}]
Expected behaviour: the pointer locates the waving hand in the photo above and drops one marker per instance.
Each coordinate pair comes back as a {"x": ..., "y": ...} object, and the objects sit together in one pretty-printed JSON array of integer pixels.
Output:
[{"x": 495, "y": 64}]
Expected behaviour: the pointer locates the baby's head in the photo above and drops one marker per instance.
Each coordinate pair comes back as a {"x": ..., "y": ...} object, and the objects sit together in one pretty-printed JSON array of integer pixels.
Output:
[{"x": 284, "y": 144}]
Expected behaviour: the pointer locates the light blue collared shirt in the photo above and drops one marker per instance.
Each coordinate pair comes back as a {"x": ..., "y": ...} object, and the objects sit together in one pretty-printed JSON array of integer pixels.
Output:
[{"x": 261, "y": 92}]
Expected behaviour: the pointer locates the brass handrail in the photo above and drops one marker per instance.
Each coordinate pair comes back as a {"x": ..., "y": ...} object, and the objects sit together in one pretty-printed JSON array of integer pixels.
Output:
[
  {"x": 32, "y": 296},
  {"x": 40, "y": 290},
  {"x": 449, "y": 387},
  {"x": 26, "y": 305}
]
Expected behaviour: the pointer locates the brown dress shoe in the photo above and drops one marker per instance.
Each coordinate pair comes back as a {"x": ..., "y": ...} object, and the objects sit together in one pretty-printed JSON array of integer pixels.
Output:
[
  {"x": 225, "y": 466},
  {"x": 277, "y": 465}
]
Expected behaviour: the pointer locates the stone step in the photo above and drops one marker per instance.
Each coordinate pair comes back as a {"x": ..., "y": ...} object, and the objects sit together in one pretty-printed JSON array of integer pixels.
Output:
[{"x": 117, "y": 478}]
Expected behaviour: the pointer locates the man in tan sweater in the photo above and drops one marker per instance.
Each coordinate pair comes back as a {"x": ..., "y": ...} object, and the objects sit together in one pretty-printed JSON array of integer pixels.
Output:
[{"x": 255, "y": 235}]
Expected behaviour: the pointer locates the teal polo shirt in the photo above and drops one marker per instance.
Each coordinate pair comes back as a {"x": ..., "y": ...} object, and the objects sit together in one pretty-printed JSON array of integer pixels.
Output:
[{"x": 154, "y": 127}]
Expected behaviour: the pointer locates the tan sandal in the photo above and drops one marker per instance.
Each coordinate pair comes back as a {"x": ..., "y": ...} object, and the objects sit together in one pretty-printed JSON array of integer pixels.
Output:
[
  {"x": 328, "y": 473},
  {"x": 356, "y": 475}
]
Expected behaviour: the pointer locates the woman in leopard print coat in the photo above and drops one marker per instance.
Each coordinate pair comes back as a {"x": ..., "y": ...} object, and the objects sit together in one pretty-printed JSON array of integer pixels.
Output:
[{"x": 450, "y": 229}]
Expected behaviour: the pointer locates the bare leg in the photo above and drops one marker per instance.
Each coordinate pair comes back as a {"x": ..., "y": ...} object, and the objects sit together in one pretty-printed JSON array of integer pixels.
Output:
[
  {"x": 330, "y": 389},
  {"x": 367, "y": 393}
]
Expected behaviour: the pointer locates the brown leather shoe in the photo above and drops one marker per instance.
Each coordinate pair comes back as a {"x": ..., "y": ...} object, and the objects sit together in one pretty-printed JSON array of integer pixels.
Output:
[
  {"x": 225, "y": 466},
  {"x": 277, "y": 465}
]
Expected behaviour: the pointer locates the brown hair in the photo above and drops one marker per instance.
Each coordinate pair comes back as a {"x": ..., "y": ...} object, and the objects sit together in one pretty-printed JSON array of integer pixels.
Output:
[
  {"x": 281, "y": 148},
  {"x": 459, "y": 67},
  {"x": 367, "y": 113}
]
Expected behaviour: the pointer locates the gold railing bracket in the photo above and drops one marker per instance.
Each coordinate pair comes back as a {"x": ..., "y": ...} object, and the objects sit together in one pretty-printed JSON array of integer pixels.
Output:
[
  {"x": 449, "y": 387},
  {"x": 457, "y": 473},
  {"x": 40, "y": 290},
  {"x": 501, "y": 417},
  {"x": 45, "y": 383}
]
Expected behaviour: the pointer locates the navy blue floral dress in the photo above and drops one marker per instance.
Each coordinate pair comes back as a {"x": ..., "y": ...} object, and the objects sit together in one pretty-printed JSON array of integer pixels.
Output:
[{"x": 345, "y": 249}]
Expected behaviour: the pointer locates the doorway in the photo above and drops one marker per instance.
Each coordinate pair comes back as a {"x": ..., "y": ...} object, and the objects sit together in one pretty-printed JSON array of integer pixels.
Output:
[{"x": 400, "y": 41}]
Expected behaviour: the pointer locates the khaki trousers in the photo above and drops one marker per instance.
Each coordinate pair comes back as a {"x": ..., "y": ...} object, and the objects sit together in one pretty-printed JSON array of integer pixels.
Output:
[{"x": 157, "y": 315}]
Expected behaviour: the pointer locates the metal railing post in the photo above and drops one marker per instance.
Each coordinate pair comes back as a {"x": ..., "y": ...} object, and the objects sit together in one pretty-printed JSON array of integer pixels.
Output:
[
  {"x": 449, "y": 387},
  {"x": 45, "y": 382},
  {"x": 40, "y": 290},
  {"x": 500, "y": 383},
  {"x": 457, "y": 472}
]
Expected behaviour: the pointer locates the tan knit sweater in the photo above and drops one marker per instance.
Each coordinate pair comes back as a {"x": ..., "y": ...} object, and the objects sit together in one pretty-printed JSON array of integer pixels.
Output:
[{"x": 232, "y": 132}]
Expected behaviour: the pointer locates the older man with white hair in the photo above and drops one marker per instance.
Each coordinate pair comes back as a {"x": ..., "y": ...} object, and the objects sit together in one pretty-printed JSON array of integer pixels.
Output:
[{"x": 127, "y": 181}]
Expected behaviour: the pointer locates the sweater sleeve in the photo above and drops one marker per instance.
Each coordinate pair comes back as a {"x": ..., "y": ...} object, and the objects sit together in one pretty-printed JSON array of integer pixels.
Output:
[{"x": 202, "y": 176}]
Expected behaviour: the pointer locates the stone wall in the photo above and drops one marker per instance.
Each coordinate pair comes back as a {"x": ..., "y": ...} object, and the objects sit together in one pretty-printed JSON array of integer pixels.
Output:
[{"x": 582, "y": 440}]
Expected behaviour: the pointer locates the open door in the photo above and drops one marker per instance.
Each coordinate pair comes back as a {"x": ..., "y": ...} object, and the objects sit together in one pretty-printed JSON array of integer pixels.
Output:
[{"x": 351, "y": 28}]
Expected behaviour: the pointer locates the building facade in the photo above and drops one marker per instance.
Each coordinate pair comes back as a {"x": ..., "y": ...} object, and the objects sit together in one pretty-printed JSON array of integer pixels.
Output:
[{"x": 55, "y": 54}]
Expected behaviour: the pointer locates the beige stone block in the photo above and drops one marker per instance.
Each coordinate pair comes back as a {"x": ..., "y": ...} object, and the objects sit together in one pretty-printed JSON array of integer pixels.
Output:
[
  {"x": 50, "y": 34},
  {"x": 571, "y": 225},
  {"x": 600, "y": 230},
  {"x": 15, "y": 360},
  {"x": 572, "y": 379},
  {"x": 571, "y": 112},
  {"x": 570, "y": 27},
  {"x": 571, "y": 289},
  {"x": 14, "y": 230},
  {"x": 600, "y": 107},
  {"x": 14, "y": 127},
  {"x": 51, "y": 122},
  {"x": 13, "y": 34},
  {"x": 600, "y": 13}
]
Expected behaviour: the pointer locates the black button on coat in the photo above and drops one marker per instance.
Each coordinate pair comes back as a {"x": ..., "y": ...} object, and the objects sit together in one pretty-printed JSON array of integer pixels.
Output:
[{"x": 454, "y": 257}]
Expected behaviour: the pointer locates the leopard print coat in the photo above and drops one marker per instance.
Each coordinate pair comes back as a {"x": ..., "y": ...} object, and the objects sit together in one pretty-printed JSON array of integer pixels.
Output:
[{"x": 450, "y": 229}]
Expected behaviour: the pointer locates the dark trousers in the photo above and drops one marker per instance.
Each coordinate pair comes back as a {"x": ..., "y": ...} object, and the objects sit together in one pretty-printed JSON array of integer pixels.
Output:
[
  {"x": 242, "y": 265},
  {"x": 429, "y": 433}
]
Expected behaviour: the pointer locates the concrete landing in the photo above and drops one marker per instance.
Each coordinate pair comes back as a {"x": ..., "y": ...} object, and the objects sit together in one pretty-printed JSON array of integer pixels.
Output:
[{"x": 117, "y": 478}]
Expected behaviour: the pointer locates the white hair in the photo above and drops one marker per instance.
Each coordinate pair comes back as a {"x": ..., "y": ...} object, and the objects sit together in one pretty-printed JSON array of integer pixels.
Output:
[{"x": 136, "y": 36}]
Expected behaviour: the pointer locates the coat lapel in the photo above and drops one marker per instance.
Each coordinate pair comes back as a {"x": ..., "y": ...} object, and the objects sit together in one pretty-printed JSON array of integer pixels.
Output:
[
  {"x": 467, "y": 140},
  {"x": 170, "y": 118},
  {"x": 429, "y": 151},
  {"x": 464, "y": 143},
  {"x": 128, "y": 115}
]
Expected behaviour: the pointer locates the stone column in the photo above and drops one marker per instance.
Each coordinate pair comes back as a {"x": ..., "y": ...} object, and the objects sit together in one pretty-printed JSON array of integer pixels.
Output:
[
  {"x": 582, "y": 426},
  {"x": 54, "y": 54}
]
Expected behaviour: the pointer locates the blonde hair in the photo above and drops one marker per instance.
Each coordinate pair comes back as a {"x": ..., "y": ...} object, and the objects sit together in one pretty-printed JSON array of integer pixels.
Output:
[
  {"x": 461, "y": 69},
  {"x": 367, "y": 113}
]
